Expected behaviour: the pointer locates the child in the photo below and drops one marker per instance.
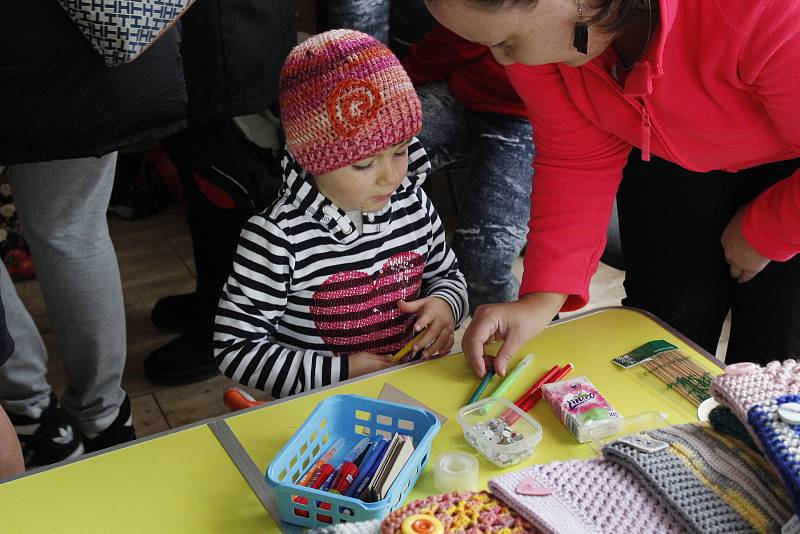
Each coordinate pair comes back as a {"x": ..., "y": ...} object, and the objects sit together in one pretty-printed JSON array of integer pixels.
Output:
[{"x": 351, "y": 261}]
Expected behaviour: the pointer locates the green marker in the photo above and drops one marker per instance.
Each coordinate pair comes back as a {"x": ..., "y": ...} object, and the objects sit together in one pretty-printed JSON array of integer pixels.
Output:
[
  {"x": 510, "y": 377},
  {"x": 479, "y": 390}
]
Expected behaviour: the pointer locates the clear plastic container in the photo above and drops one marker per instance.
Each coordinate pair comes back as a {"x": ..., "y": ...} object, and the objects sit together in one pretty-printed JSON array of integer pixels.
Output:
[
  {"x": 504, "y": 445},
  {"x": 638, "y": 424}
]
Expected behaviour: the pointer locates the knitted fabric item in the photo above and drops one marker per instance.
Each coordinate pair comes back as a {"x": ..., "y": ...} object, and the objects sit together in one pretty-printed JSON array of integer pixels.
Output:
[
  {"x": 362, "y": 527},
  {"x": 741, "y": 392},
  {"x": 586, "y": 496},
  {"x": 710, "y": 482},
  {"x": 780, "y": 441},
  {"x": 462, "y": 513},
  {"x": 725, "y": 421},
  {"x": 344, "y": 97}
]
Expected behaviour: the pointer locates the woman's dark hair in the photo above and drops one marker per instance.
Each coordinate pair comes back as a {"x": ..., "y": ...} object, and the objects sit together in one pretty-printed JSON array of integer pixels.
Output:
[{"x": 612, "y": 16}]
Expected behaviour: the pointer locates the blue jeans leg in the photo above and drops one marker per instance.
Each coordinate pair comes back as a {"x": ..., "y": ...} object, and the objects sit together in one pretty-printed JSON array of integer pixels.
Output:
[
  {"x": 398, "y": 23},
  {"x": 493, "y": 225},
  {"x": 368, "y": 16},
  {"x": 445, "y": 130}
]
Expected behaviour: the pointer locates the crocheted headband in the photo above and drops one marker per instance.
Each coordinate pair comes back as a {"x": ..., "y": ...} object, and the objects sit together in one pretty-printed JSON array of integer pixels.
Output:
[
  {"x": 344, "y": 97},
  {"x": 585, "y": 496},
  {"x": 725, "y": 422},
  {"x": 741, "y": 390},
  {"x": 710, "y": 482}
]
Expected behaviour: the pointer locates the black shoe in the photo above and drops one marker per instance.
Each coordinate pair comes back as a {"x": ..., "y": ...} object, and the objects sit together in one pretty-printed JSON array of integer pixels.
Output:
[
  {"x": 184, "y": 360},
  {"x": 175, "y": 313},
  {"x": 120, "y": 431},
  {"x": 48, "y": 439}
]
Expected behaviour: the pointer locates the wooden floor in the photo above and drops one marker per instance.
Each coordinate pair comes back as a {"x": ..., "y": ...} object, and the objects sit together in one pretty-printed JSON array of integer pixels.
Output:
[{"x": 155, "y": 258}]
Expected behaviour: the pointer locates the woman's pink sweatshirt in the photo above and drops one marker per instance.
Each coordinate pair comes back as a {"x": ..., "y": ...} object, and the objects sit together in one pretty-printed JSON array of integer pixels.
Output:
[{"x": 718, "y": 88}]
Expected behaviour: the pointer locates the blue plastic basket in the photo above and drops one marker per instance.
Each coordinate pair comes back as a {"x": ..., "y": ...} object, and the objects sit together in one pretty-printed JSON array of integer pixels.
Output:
[{"x": 350, "y": 417}]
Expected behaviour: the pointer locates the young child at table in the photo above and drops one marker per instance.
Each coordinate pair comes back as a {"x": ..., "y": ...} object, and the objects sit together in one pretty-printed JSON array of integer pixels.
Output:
[{"x": 350, "y": 262}]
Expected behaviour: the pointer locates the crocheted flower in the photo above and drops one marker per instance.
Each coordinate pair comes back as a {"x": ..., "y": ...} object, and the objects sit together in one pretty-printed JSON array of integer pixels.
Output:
[{"x": 463, "y": 513}]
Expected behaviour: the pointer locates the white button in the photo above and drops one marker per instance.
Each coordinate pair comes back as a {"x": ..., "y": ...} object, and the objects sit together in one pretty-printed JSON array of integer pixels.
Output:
[
  {"x": 740, "y": 368},
  {"x": 789, "y": 413},
  {"x": 705, "y": 408}
]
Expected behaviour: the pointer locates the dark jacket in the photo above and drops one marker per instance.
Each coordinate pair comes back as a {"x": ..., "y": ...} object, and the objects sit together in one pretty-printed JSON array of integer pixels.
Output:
[{"x": 58, "y": 100}]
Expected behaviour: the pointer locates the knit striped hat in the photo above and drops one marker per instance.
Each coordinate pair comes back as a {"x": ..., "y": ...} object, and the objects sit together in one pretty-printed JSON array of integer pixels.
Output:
[{"x": 344, "y": 97}]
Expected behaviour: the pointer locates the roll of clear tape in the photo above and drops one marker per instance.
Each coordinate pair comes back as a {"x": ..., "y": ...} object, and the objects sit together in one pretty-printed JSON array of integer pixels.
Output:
[{"x": 455, "y": 471}]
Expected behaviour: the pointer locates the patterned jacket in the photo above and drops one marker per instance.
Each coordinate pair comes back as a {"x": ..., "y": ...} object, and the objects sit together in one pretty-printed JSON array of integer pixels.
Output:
[{"x": 307, "y": 289}]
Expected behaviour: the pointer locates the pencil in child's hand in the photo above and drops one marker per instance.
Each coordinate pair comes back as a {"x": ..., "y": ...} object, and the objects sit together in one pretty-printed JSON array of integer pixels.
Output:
[{"x": 407, "y": 348}]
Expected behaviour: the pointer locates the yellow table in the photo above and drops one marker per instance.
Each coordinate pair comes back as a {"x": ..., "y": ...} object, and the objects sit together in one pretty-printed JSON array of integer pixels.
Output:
[{"x": 184, "y": 481}]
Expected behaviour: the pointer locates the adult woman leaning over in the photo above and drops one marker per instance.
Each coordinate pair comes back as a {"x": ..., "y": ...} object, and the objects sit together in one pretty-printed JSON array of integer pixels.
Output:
[{"x": 695, "y": 105}]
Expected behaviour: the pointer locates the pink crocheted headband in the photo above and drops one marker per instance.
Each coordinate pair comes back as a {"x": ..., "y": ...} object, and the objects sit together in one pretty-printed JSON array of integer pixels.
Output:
[{"x": 345, "y": 97}]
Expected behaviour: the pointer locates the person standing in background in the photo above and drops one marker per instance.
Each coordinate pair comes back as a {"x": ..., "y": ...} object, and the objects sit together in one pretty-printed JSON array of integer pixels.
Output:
[{"x": 232, "y": 53}]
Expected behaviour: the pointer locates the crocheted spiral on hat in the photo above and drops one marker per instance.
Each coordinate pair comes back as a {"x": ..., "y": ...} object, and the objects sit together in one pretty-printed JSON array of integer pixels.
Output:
[
  {"x": 462, "y": 513},
  {"x": 344, "y": 97},
  {"x": 740, "y": 392},
  {"x": 585, "y": 496},
  {"x": 710, "y": 482},
  {"x": 780, "y": 441}
]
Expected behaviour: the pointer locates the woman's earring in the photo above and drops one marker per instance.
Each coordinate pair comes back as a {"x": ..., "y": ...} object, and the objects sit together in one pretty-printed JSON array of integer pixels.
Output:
[{"x": 581, "y": 39}]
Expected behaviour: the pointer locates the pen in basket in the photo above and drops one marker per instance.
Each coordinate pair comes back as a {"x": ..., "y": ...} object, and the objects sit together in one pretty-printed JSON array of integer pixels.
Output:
[{"x": 338, "y": 444}]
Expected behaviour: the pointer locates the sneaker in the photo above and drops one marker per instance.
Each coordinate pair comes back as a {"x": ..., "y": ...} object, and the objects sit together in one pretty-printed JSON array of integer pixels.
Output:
[
  {"x": 175, "y": 313},
  {"x": 119, "y": 431},
  {"x": 48, "y": 439},
  {"x": 184, "y": 360}
]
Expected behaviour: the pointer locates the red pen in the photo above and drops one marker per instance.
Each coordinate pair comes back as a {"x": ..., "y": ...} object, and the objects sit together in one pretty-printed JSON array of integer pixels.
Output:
[
  {"x": 531, "y": 400},
  {"x": 348, "y": 469},
  {"x": 319, "y": 478},
  {"x": 544, "y": 379},
  {"x": 319, "y": 463},
  {"x": 533, "y": 389}
]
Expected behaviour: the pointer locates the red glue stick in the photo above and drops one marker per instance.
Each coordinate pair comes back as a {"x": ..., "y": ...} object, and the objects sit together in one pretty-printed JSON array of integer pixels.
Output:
[{"x": 347, "y": 473}]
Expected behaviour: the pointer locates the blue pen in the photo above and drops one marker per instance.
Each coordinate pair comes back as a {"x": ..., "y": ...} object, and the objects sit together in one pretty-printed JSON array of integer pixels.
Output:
[
  {"x": 379, "y": 453},
  {"x": 366, "y": 466}
]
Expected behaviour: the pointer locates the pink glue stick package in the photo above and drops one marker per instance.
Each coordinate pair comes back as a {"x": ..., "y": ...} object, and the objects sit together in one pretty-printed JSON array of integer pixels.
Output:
[{"x": 580, "y": 406}]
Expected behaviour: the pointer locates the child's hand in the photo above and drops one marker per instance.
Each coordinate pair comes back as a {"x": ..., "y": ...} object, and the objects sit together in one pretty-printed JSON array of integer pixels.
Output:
[
  {"x": 361, "y": 363},
  {"x": 436, "y": 314}
]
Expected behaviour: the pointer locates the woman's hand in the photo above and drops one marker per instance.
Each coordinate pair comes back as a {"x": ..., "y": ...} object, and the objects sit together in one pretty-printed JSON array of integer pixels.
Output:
[
  {"x": 513, "y": 322},
  {"x": 362, "y": 363},
  {"x": 745, "y": 262},
  {"x": 435, "y": 314}
]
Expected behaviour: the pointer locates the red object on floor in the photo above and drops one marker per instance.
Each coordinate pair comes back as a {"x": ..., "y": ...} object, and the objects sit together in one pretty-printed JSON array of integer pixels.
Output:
[
  {"x": 168, "y": 172},
  {"x": 237, "y": 399}
]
